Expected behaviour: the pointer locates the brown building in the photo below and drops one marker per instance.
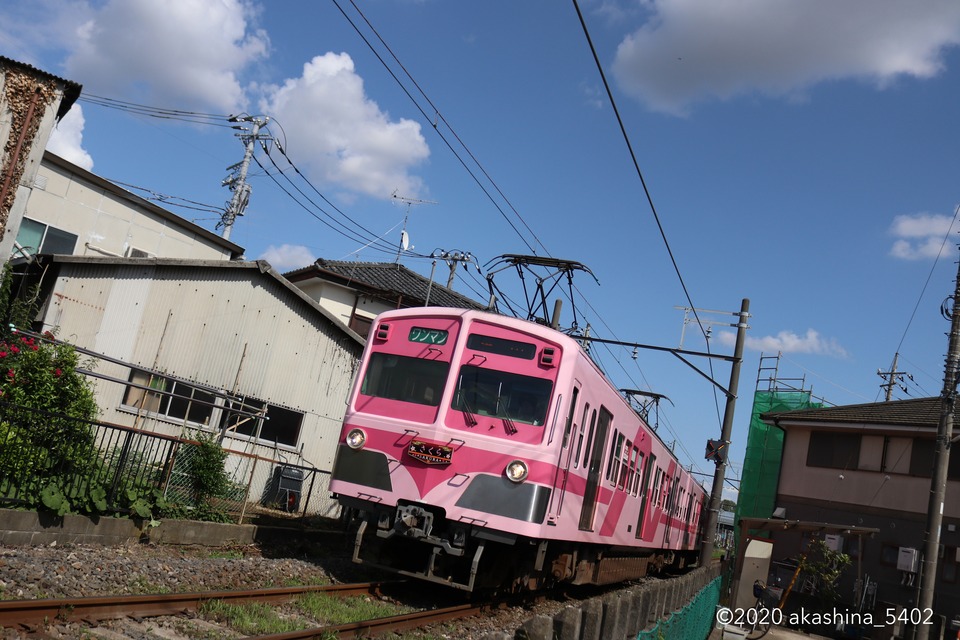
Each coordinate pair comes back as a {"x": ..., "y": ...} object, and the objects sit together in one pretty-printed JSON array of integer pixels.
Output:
[{"x": 869, "y": 466}]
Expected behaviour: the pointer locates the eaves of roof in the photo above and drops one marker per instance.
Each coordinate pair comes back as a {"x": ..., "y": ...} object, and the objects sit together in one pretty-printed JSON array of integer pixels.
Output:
[
  {"x": 71, "y": 89},
  {"x": 385, "y": 279},
  {"x": 919, "y": 412},
  {"x": 261, "y": 267},
  {"x": 102, "y": 183}
]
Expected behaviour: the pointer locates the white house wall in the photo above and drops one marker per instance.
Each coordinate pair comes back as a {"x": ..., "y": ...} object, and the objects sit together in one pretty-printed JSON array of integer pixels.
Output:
[
  {"x": 108, "y": 224},
  {"x": 227, "y": 328}
]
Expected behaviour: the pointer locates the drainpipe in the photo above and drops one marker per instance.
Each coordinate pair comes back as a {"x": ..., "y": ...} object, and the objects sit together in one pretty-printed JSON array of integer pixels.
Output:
[{"x": 5, "y": 189}]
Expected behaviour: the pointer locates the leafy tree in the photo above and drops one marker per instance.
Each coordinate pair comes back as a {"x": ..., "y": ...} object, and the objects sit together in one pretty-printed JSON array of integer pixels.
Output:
[
  {"x": 825, "y": 566},
  {"x": 46, "y": 406}
]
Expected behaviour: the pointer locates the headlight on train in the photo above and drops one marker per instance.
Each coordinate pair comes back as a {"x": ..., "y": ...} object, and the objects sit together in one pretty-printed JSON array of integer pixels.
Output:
[
  {"x": 356, "y": 439},
  {"x": 516, "y": 471}
]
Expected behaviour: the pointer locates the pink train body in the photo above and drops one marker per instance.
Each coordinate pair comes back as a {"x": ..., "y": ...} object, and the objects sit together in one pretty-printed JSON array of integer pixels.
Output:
[{"x": 487, "y": 452}]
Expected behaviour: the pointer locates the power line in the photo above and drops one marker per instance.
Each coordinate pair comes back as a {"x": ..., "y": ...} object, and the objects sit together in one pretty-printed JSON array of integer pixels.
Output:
[{"x": 195, "y": 117}]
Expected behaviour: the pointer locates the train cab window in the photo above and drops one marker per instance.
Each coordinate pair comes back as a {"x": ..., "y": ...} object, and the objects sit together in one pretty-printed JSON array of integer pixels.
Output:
[
  {"x": 510, "y": 396},
  {"x": 403, "y": 378}
]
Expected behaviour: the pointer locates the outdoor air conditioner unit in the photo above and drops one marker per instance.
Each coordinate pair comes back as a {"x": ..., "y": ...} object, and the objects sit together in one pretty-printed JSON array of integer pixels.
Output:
[{"x": 908, "y": 559}]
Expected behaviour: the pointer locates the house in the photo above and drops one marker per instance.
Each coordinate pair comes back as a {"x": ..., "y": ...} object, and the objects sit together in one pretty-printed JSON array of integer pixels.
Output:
[
  {"x": 31, "y": 103},
  {"x": 69, "y": 210},
  {"x": 356, "y": 292},
  {"x": 869, "y": 466},
  {"x": 195, "y": 328}
]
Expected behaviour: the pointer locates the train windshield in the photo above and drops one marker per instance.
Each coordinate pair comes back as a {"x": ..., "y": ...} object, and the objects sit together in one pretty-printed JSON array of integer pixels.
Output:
[
  {"x": 404, "y": 378},
  {"x": 511, "y": 396}
]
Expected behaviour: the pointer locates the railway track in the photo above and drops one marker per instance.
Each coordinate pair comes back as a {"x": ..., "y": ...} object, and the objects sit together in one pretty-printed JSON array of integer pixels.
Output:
[{"x": 29, "y": 616}]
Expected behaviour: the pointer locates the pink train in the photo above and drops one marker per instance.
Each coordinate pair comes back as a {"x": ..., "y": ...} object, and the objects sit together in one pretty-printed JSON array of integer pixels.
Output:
[{"x": 487, "y": 452}]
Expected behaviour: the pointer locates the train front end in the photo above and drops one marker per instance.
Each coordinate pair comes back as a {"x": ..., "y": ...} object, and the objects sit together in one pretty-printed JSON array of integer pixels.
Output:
[{"x": 448, "y": 450}]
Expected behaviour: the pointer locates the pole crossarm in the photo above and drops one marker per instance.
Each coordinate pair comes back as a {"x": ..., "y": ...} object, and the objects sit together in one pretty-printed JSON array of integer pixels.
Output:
[{"x": 679, "y": 353}]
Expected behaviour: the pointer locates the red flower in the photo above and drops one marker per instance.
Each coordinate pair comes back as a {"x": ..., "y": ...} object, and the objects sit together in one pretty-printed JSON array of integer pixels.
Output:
[
  {"x": 57, "y": 372},
  {"x": 10, "y": 374},
  {"x": 3, "y": 354},
  {"x": 15, "y": 349}
]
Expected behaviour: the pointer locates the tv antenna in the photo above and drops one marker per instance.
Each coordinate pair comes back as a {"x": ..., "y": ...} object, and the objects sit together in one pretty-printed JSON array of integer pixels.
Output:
[{"x": 404, "y": 237}]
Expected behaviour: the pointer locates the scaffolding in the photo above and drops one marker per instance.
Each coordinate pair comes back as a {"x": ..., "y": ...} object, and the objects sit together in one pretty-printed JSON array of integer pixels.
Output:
[{"x": 761, "y": 465}]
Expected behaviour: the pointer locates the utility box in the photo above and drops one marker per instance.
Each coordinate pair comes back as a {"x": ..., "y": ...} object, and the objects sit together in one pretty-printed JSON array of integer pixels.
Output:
[
  {"x": 288, "y": 487},
  {"x": 908, "y": 559}
]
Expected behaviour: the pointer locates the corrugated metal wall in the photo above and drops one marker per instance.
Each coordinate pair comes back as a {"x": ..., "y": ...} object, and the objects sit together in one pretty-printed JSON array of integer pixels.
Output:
[{"x": 231, "y": 328}]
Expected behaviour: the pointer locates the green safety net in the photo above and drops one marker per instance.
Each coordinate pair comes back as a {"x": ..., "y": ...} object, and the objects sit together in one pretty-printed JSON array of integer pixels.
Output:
[
  {"x": 761, "y": 464},
  {"x": 695, "y": 620}
]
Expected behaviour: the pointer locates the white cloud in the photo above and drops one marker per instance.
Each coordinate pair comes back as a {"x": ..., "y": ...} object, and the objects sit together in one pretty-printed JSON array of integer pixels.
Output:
[
  {"x": 690, "y": 51},
  {"x": 789, "y": 342},
  {"x": 66, "y": 140},
  {"x": 919, "y": 236},
  {"x": 287, "y": 257},
  {"x": 181, "y": 53},
  {"x": 340, "y": 136}
]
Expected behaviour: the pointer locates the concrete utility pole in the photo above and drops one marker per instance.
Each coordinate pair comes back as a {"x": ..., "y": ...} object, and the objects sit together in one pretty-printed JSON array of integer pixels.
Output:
[
  {"x": 453, "y": 258},
  {"x": 238, "y": 182},
  {"x": 893, "y": 378},
  {"x": 941, "y": 461},
  {"x": 710, "y": 532}
]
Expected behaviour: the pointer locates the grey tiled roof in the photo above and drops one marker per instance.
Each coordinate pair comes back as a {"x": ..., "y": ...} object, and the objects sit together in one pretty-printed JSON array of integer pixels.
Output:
[
  {"x": 390, "y": 280},
  {"x": 920, "y": 412}
]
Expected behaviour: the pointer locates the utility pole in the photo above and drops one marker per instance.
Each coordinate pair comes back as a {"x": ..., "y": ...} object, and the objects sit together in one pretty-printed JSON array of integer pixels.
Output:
[
  {"x": 706, "y": 547},
  {"x": 941, "y": 461},
  {"x": 453, "y": 258},
  {"x": 893, "y": 378},
  {"x": 237, "y": 182}
]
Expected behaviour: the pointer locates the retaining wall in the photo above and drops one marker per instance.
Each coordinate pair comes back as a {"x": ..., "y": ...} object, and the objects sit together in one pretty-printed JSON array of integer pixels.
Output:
[{"x": 621, "y": 615}]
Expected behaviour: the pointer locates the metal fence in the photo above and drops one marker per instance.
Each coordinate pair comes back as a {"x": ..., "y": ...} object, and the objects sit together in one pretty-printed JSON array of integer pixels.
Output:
[{"x": 106, "y": 468}]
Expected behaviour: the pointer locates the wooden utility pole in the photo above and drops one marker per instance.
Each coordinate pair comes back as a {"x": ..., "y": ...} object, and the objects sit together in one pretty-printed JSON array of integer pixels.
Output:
[{"x": 941, "y": 461}]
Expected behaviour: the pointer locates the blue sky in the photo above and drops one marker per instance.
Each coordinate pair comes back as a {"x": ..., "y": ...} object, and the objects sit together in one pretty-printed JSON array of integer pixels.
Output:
[{"x": 798, "y": 153}]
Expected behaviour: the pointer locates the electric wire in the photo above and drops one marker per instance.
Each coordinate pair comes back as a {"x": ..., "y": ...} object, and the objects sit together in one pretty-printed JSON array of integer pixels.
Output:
[
  {"x": 469, "y": 171},
  {"x": 926, "y": 283},
  {"x": 306, "y": 208},
  {"x": 643, "y": 182},
  {"x": 195, "y": 117},
  {"x": 345, "y": 231}
]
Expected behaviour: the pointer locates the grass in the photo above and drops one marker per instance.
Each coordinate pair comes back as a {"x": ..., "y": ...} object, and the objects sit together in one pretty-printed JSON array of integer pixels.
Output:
[{"x": 311, "y": 610}]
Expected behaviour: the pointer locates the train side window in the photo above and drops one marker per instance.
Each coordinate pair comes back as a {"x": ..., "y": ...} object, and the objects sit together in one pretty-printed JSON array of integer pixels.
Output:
[
  {"x": 625, "y": 465},
  {"x": 570, "y": 425},
  {"x": 613, "y": 464},
  {"x": 638, "y": 474},
  {"x": 631, "y": 455},
  {"x": 657, "y": 483},
  {"x": 586, "y": 449},
  {"x": 583, "y": 427}
]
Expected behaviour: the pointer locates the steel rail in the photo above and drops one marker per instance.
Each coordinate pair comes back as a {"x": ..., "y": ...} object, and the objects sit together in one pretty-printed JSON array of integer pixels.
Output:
[{"x": 26, "y": 613}]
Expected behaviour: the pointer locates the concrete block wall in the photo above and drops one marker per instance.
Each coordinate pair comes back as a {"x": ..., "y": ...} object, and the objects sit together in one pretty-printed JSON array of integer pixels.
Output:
[
  {"x": 33, "y": 528},
  {"x": 619, "y": 615}
]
